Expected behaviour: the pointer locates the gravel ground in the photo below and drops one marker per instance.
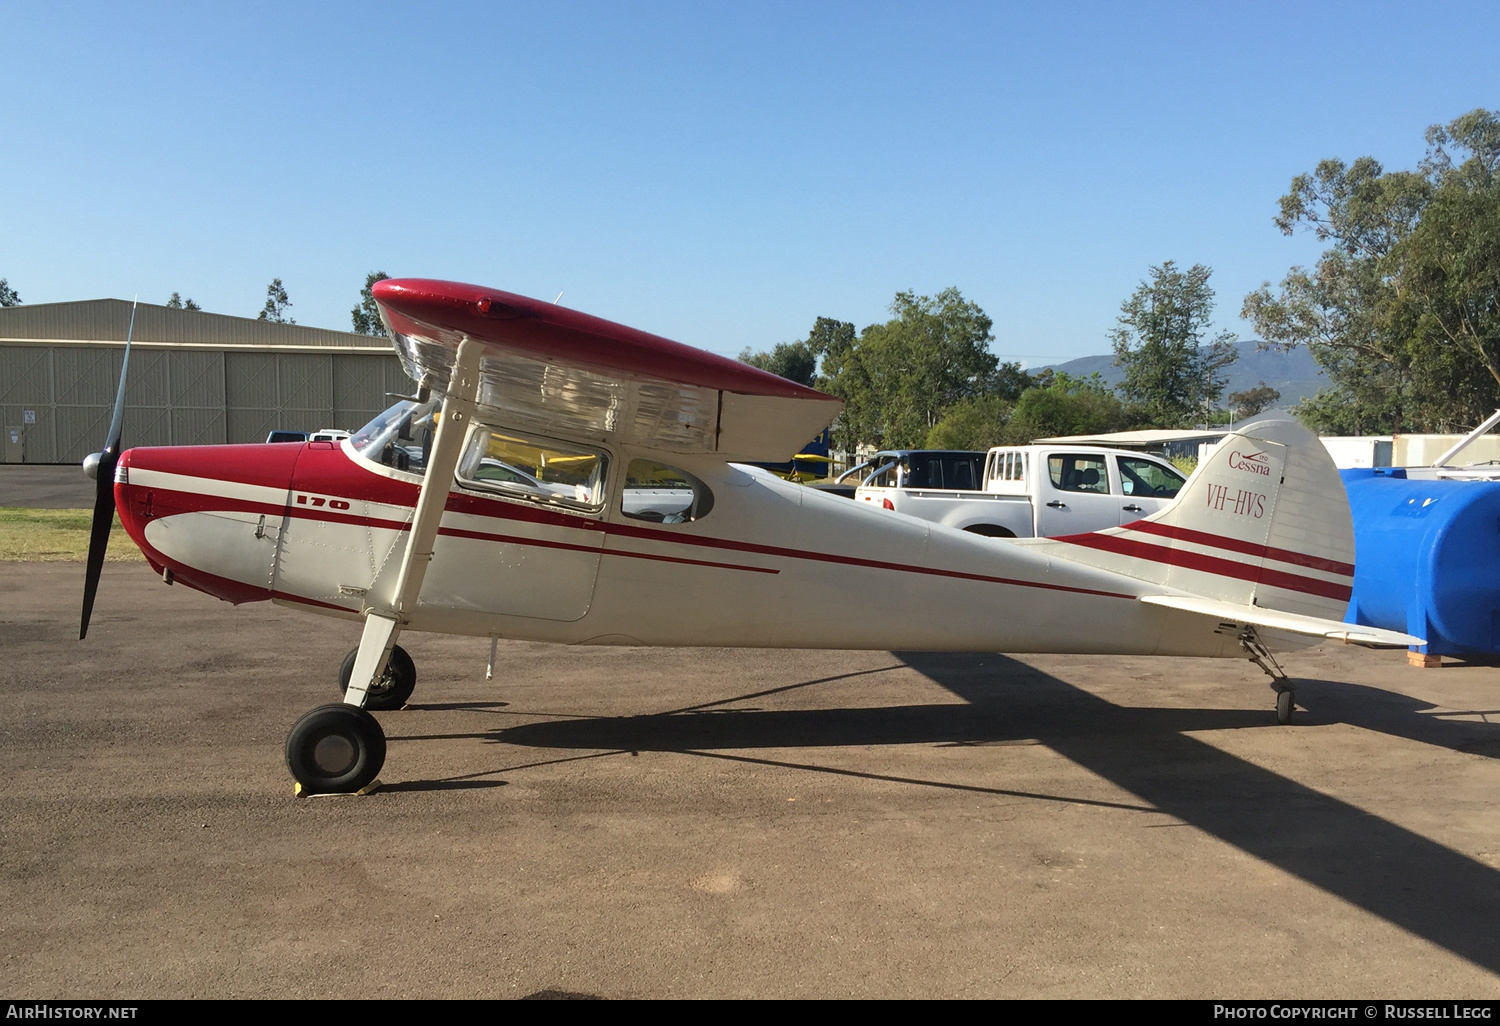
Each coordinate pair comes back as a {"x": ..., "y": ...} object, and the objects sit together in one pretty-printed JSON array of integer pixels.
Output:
[{"x": 713, "y": 823}]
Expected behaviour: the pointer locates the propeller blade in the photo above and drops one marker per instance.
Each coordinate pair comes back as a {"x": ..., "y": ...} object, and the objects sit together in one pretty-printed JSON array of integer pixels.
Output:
[
  {"x": 112, "y": 442},
  {"x": 104, "y": 519},
  {"x": 104, "y": 492}
]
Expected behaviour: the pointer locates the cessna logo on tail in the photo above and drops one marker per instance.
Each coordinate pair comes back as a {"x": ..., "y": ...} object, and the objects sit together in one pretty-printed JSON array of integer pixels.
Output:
[{"x": 1254, "y": 462}]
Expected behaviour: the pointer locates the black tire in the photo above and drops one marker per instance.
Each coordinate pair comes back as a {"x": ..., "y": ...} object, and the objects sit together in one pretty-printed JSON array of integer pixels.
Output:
[
  {"x": 1285, "y": 703},
  {"x": 393, "y": 688},
  {"x": 991, "y": 531},
  {"x": 335, "y": 749}
]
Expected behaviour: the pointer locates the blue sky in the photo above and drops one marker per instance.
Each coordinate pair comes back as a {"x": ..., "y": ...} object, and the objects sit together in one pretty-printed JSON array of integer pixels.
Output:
[{"x": 718, "y": 173}]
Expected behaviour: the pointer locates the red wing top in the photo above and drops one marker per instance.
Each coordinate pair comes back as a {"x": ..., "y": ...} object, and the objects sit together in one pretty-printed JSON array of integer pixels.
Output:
[{"x": 564, "y": 373}]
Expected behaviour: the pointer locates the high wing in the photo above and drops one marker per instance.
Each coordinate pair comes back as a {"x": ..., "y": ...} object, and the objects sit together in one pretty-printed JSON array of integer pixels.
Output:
[{"x": 559, "y": 372}]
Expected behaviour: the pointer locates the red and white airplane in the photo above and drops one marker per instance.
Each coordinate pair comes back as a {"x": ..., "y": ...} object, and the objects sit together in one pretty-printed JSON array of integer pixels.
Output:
[{"x": 561, "y": 478}]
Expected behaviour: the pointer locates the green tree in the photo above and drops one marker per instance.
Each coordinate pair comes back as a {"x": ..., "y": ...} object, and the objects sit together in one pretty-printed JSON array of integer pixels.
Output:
[
  {"x": 8, "y": 295},
  {"x": 276, "y": 304},
  {"x": 1449, "y": 270},
  {"x": 842, "y": 373},
  {"x": 1343, "y": 308},
  {"x": 1402, "y": 310},
  {"x": 176, "y": 302},
  {"x": 899, "y": 378},
  {"x": 366, "y": 315},
  {"x": 1061, "y": 404},
  {"x": 1171, "y": 372},
  {"x": 1253, "y": 400},
  {"x": 794, "y": 361},
  {"x": 974, "y": 423},
  {"x": 1009, "y": 381}
]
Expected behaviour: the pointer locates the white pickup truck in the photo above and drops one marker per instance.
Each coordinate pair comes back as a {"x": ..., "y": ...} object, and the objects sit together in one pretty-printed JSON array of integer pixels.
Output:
[{"x": 1023, "y": 491}]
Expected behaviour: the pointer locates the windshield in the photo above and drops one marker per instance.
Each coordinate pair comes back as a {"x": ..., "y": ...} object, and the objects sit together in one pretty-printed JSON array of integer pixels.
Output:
[{"x": 401, "y": 437}]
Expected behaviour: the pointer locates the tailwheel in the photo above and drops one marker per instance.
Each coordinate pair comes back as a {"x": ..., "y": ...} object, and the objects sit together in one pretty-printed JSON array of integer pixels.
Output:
[
  {"x": 335, "y": 749},
  {"x": 395, "y": 685},
  {"x": 1285, "y": 703},
  {"x": 1261, "y": 656}
]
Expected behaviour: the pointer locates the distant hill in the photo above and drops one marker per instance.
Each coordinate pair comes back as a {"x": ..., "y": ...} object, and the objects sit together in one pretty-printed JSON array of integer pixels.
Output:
[{"x": 1295, "y": 374}]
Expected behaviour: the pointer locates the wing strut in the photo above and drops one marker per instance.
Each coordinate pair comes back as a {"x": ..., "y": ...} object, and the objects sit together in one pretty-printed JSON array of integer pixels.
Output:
[{"x": 383, "y": 625}]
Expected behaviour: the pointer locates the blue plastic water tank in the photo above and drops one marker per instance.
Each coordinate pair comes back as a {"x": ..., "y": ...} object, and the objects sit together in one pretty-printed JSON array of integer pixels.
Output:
[{"x": 1427, "y": 559}]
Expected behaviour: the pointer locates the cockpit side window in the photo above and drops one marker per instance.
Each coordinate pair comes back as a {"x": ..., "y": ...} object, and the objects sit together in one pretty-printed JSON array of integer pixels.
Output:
[{"x": 661, "y": 494}]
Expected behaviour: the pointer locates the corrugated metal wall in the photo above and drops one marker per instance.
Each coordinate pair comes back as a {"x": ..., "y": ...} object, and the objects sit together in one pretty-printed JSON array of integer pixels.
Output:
[
  {"x": 185, "y": 396},
  {"x": 110, "y": 319}
]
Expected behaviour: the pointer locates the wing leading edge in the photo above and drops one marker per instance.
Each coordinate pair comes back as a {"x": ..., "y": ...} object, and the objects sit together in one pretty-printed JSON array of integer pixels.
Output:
[{"x": 559, "y": 372}]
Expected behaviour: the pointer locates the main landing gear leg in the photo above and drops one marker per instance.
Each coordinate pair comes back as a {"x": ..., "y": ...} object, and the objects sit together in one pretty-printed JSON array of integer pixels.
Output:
[
  {"x": 392, "y": 689},
  {"x": 1286, "y": 699},
  {"x": 371, "y": 659},
  {"x": 341, "y": 748}
]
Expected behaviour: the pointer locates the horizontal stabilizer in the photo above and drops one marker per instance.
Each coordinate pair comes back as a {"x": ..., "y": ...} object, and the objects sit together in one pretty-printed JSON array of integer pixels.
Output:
[{"x": 1297, "y": 623}]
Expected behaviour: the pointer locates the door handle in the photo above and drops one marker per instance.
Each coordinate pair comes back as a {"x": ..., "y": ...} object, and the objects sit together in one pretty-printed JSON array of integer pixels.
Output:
[
  {"x": 1055, "y": 504},
  {"x": 1133, "y": 508}
]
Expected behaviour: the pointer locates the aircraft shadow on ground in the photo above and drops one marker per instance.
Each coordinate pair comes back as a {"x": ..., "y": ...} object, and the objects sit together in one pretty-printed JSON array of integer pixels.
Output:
[{"x": 1404, "y": 878}]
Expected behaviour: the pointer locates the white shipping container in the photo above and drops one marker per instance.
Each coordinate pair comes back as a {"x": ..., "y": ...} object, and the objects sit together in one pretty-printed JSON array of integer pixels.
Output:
[
  {"x": 1421, "y": 450},
  {"x": 1351, "y": 451}
]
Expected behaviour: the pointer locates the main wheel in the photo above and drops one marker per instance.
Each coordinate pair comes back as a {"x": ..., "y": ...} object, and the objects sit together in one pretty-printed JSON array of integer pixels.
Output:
[
  {"x": 1285, "y": 703},
  {"x": 335, "y": 749},
  {"x": 394, "y": 686}
]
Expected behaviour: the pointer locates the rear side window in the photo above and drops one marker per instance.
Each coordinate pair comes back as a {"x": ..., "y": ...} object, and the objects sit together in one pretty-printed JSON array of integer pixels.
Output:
[
  {"x": 1009, "y": 467},
  {"x": 1078, "y": 472},
  {"x": 923, "y": 472},
  {"x": 887, "y": 476},
  {"x": 961, "y": 472},
  {"x": 660, "y": 494},
  {"x": 957, "y": 472},
  {"x": 540, "y": 470}
]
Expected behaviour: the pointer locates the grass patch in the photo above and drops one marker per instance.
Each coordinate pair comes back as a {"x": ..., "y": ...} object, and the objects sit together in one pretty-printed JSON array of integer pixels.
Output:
[{"x": 58, "y": 535}]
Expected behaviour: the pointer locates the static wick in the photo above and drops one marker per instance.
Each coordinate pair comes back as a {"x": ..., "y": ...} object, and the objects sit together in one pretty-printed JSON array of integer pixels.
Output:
[{"x": 489, "y": 670}]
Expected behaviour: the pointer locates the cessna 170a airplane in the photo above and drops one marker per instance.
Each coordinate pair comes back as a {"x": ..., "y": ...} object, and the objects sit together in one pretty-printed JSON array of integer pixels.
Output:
[{"x": 561, "y": 478}]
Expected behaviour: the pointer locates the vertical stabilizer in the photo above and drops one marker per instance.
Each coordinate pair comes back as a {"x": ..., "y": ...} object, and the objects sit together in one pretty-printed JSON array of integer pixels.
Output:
[{"x": 1264, "y": 521}]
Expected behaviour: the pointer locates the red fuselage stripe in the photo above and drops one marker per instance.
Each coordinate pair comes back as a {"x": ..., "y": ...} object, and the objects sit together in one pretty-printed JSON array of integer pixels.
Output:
[
  {"x": 1187, "y": 534},
  {"x": 511, "y": 539},
  {"x": 1211, "y": 565}
]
